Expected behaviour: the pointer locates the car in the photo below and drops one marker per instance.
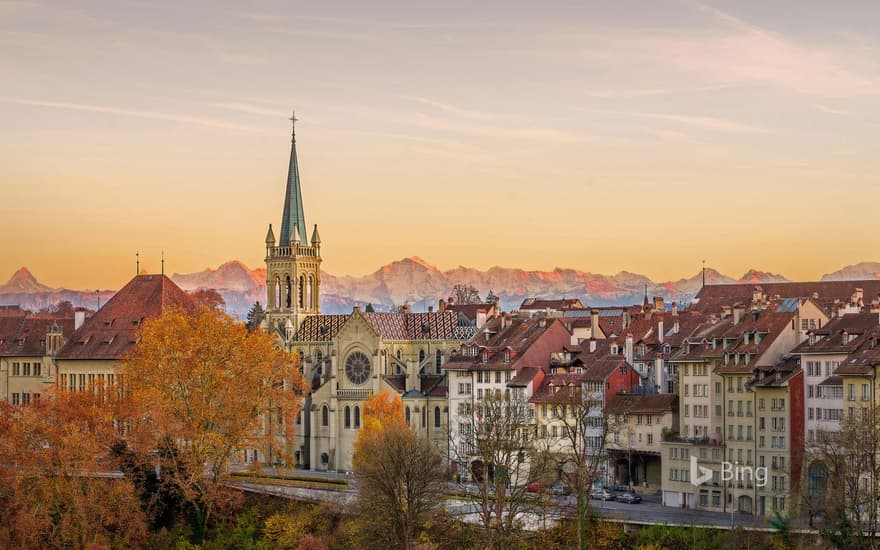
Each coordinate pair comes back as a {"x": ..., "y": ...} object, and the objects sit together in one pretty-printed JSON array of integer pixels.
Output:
[
  {"x": 601, "y": 494},
  {"x": 560, "y": 489},
  {"x": 536, "y": 487},
  {"x": 628, "y": 498}
]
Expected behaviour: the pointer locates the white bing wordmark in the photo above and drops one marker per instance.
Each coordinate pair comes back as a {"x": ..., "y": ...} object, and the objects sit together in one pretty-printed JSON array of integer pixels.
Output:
[
  {"x": 729, "y": 472},
  {"x": 699, "y": 474}
]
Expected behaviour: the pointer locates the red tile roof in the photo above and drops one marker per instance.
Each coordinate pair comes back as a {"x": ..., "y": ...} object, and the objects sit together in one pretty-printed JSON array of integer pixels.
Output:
[
  {"x": 643, "y": 403},
  {"x": 711, "y": 298},
  {"x": 25, "y": 336},
  {"x": 113, "y": 330},
  {"x": 436, "y": 325}
]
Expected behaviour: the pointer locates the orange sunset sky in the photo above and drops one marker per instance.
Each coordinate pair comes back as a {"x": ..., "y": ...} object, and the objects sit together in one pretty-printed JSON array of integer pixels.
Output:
[{"x": 643, "y": 136}]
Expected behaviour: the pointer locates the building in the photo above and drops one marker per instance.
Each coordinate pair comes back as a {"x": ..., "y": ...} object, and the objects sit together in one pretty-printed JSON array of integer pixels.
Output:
[
  {"x": 348, "y": 358},
  {"x": 94, "y": 351},
  {"x": 509, "y": 356},
  {"x": 639, "y": 422},
  {"x": 28, "y": 345}
]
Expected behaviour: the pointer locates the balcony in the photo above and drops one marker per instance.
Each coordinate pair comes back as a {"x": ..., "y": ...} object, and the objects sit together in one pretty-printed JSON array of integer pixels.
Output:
[{"x": 353, "y": 395}]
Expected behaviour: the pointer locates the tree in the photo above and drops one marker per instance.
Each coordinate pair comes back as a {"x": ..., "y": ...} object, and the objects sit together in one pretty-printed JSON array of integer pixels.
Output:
[
  {"x": 492, "y": 298},
  {"x": 208, "y": 298},
  {"x": 850, "y": 460},
  {"x": 504, "y": 460},
  {"x": 400, "y": 478},
  {"x": 201, "y": 388},
  {"x": 369, "y": 308},
  {"x": 466, "y": 294},
  {"x": 52, "y": 491},
  {"x": 381, "y": 411},
  {"x": 255, "y": 316},
  {"x": 582, "y": 454}
]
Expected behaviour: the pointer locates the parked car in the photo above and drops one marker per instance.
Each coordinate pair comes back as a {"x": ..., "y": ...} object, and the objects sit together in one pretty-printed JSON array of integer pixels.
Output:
[
  {"x": 601, "y": 494},
  {"x": 535, "y": 487},
  {"x": 628, "y": 498},
  {"x": 560, "y": 489}
]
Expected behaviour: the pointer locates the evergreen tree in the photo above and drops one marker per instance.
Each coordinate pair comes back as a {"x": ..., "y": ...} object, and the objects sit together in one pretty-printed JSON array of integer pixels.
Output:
[{"x": 255, "y": 316}]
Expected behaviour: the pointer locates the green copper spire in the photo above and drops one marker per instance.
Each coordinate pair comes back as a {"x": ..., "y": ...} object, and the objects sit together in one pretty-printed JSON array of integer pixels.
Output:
[{"x": 293, "y": 205}]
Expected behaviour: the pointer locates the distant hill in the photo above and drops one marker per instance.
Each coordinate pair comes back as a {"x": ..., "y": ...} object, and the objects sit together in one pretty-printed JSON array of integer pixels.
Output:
[
  {"x": 420, "y": 284},
  {"x": 856, "y": 272}
]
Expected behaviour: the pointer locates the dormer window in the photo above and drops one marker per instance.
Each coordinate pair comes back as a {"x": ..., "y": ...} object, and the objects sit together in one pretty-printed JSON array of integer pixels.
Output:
[
  {"x": 485, "y": 356},
  {"x": 507, "y": 356}
]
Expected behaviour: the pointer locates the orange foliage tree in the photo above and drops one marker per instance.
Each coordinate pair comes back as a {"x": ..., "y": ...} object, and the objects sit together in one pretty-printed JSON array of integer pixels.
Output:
[
  {"x": 200, "y": 390},
  {"x": 380, "y": 410},
  {"x": 54, "y": 487},
  {"x": 399, "y": 473}
]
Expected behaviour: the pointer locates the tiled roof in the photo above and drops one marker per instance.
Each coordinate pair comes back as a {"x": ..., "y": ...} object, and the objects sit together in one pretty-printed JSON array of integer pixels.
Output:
[
  {"x": 643, "y": 403},
  {"x": 835, "y": 380},
  {"x": 513, "y": 334},
  {"x": 523, "y": 377},
  {"x": 829, "y": 339},
  {"x": 436, "y": 325},
  {"x": 112, "y": 331},
  {"x": 470, "y": 310},
  {"x": 432, "y": 385},
  {"x": 711, "y": 298},
  {"x": 25, "y": 336},
  {"x": 533, "y": 304}
]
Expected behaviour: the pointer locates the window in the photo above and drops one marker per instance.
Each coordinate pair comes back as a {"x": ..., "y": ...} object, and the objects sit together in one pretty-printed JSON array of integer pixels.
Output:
[
  {"x": 421, "y": 356},
  {"x": 37, "y": 369},
  {"x": 325, "y": 416},
  {"x": 347, "y": 417},
  {"x": 498, "y": 377},
  {"x": 436, "y": 417},
  {"x": 438, "y": 361},
  {"x": 16, "y": 399},
  {"x": 16, "y": 369},
  {"x": 650, "y": 439},
  {"x": 851, "y": 392},
  {"x": 864, "y": 392},
  {"x": 406, "y": 413},
  {"x": 26, "y": 369}
]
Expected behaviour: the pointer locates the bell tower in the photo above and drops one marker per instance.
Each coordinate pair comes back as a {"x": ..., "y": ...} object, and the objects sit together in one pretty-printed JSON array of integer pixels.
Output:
[{"x": 293, "y": 263}]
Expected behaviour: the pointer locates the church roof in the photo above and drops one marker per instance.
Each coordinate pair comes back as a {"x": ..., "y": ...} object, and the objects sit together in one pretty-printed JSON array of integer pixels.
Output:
[
  {"x": 436, "y": 325},
  {"x": 293, "y": 215},
  {"x": 112, "y": 331}
]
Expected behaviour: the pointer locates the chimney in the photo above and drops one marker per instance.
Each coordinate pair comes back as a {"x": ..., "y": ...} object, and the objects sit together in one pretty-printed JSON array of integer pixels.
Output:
[
  {"x": 659, "y": 305},
  {"x": 815, "y": 295},
  {"x": 594, "y": 322},
  {"x": 675, "y": 309},
  {"x": 79, "y": 317},
  {"x": 738, "y": 311},
  {"x": 757, "y": 294},
  {"x": 858, "y": 297},
  {"x": 675, "y": 326},
  {"x": 628, "y": 349},
  {"x": 430, "y": 309},
  {"x": 660, "y": 332},
  {"x": 442, "y": 305},
  {"x": 450, "y": 300},
  {"x": 592, "y": 345}
]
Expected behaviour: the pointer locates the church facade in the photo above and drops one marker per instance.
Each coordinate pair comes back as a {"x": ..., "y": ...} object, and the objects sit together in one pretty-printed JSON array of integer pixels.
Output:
[{"x": 348, "y": 358}]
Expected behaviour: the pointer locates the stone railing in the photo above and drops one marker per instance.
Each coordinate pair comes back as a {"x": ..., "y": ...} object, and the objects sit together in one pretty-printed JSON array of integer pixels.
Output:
[{"x": 353, "y": 395}]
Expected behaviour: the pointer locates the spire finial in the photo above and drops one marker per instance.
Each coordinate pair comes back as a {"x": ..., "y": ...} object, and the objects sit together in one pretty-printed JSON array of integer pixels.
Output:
[
  {"x": 704, "y": 273},
  {"x": 137, "y": 269},
  {"x": 163, "y": 262},
  {"x": 293, "y": 121}
]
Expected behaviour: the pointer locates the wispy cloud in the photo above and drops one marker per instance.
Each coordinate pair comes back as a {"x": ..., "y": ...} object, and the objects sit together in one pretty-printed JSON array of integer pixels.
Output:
[
  {"x": 697, "y": 121},
  {"x": 831, "y": 110},
  {"x": 155, "y": 115},
  {"x": 451, "y": 109}
]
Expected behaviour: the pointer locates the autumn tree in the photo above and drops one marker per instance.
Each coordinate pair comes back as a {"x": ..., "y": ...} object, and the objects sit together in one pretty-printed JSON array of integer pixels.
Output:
[
  {"x": 201, "y": 389},
  {"x": 586, "y": 429},
  {"x": 207, "y": 298},
  {"x": 466, "y": 294},
  {"x": 498, "y": 444},
  {"x": 843, "y": 480},
  {"x": 54, "y": 491},
  {"x": 399, "y": 472}
]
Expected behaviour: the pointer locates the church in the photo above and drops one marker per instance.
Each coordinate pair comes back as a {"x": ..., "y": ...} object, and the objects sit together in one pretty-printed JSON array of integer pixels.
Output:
[{"x": 348, "y": 358}]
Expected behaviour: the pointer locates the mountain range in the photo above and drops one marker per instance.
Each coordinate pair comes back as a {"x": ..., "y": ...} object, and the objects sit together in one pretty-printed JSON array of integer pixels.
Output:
[{"x": 420, "y": 284}]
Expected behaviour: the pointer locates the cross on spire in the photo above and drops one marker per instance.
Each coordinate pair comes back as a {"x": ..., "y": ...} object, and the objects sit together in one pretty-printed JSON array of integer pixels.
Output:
[{"x": 293, "y": 121}]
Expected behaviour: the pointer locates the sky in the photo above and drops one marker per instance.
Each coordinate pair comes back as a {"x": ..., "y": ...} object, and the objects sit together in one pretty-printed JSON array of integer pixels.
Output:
[{"x": 634, "y": 135}]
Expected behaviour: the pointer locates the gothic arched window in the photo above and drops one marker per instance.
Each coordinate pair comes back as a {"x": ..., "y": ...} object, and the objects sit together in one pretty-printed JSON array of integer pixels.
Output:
[
  {"x": 289, "y": 293},
  {"x": 438, "y": 360},
  {"x": 301, "y": 291},
  {"x": 325, "y": 416},
  {"x": 406, "y": 413},
  {"x": 276, "y": 300},
  {"x": 347, "y": 417},
  {"x": 436, "y": 417},
  {"x": 421, "y": 356},
  {"x": 310, "y": 294},
  {"x": 357, "y": 417},
  {"x": 319, "y": 359}
]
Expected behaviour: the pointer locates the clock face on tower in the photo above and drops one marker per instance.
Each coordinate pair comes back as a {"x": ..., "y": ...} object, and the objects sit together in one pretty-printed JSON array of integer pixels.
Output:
[{"x": 357, "y": 368}]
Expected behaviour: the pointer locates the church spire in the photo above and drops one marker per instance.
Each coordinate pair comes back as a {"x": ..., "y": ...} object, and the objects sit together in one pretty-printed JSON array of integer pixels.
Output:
[{"x": 293, "y": 206}]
